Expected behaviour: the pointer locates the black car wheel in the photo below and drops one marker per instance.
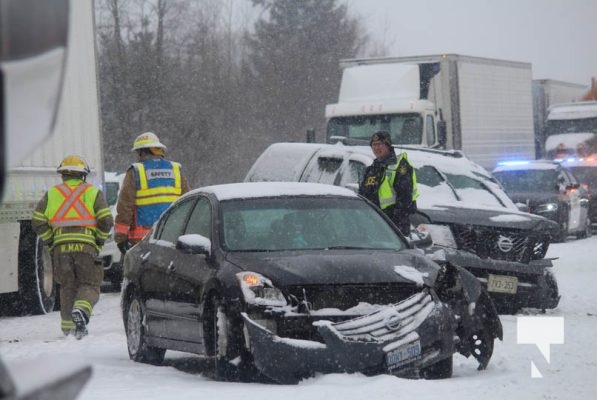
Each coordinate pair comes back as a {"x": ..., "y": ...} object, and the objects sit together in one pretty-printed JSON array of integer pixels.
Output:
[
  {"x": 440, "y": 370},
  {"x": 481, "y": 345},
  {"x": 588, "y": 231},
  {"x": 232, "y": 361},
  {"x": 136, "y": 342}
]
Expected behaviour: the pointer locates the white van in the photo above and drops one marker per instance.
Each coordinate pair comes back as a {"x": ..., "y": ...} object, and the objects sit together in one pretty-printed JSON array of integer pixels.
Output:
[{"x": 110, "y": 254}]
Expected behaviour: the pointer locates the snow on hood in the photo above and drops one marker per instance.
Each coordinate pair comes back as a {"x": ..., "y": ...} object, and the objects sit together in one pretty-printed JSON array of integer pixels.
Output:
[{"x": 411, "y": 274}]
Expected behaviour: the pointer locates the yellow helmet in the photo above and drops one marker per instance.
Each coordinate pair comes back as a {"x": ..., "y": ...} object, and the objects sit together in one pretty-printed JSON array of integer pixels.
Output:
[
  {"x": 147, "y": 140},
  {"x": 73, "y": 163}
]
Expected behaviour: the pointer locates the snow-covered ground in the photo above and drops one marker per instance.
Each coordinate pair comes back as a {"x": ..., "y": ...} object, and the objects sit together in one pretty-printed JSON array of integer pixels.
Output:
[{"x": 571, "y": 373}]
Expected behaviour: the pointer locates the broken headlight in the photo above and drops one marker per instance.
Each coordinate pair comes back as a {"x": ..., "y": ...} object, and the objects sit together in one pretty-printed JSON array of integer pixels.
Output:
[{"x": 259, "y": 290}]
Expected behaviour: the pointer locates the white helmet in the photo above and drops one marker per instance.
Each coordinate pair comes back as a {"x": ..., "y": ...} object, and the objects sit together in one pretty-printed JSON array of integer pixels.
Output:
[{"x": 147, "y": 140}]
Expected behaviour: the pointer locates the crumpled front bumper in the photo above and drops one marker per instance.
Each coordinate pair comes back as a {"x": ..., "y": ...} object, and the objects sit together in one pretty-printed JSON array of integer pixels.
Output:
[
  {"x": 399, "y": 339},
  {"x": 533, "y": 289}
]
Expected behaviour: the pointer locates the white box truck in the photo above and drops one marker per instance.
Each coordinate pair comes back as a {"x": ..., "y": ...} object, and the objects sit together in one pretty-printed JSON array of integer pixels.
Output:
[
  {"x": 571, "y": 128},
  {"x": 481, "y": 106},
  {"x": 547, "y": 92},
  {"x": 26, "y": 280}
]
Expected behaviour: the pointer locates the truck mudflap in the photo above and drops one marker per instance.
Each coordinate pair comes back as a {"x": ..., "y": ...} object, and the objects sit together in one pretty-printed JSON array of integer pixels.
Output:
[{"x": 397, "y": 339}]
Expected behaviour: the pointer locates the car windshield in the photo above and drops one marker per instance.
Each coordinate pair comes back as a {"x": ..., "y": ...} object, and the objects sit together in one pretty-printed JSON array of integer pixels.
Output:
[
  {"x": 530, "y": 180},
  {"x": 435, "y": 187},
  {"x": 404, "y": 128},
  {"x": 302, "y": 223}
]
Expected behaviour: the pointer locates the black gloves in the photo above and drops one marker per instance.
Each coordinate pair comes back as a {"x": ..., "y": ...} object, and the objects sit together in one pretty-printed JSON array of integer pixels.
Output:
[{"x": 124, "y": 246}]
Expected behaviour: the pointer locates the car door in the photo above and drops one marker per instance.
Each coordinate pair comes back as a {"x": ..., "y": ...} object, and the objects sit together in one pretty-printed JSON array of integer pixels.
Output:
[
  {"x": 158, "y": 262},
  {"x": 573, "y": 198},
  {"x": 187, "y": 276},
  {"x": 581, "y": 197}
]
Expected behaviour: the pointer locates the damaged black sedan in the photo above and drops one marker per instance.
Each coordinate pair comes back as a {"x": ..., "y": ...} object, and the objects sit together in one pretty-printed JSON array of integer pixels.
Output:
[{"x": 285, "y": 280}]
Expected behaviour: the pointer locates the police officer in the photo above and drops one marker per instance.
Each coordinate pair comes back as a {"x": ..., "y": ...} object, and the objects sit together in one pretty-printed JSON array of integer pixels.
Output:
[
  {"x": 390, "y": 182},
  {"x": 74, "y": 220},
  {"x": 149, "y": 187}
]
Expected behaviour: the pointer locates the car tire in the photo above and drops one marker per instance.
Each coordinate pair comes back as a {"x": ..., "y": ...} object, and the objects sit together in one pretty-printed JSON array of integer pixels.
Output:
[
  {"x": 136, "y": 341},
  {"x": 587, "y": 232},
  {"x": 232, "y": 361},
  {"x": 440, "y": 370},
  {"x": 563, "y": 233}
]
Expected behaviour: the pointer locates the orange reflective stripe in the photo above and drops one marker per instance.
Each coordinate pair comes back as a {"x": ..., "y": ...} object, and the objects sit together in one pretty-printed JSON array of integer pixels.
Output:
[
  {"x": 121, "y": 228},
  {"x": 72, "y": 201}
]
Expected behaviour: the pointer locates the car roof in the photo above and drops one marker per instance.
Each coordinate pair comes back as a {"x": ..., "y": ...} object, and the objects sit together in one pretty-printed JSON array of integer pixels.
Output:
[
  {"x": 285, "y": 161},
  {"x": 273, "y": 189},
  {"x": 527, "y": 165}
]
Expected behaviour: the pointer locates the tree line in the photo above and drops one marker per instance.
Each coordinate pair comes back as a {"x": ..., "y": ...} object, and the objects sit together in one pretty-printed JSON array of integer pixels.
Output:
[{"x": 219, "y": 80}]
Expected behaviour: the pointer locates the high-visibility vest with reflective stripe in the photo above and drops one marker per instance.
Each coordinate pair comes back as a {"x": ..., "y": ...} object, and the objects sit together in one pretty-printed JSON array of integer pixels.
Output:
[
  {"x": 158, "y": 183},
  {"x": 386, "y": 192},
  {"x": 72, "y": 206}
]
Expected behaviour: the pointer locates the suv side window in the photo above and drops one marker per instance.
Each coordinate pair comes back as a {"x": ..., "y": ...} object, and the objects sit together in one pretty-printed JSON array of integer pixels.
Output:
[
  {"x": 429, "y": 130},
  {"x": 323, "y": 171},
  {"x": 353, "y": 173}
]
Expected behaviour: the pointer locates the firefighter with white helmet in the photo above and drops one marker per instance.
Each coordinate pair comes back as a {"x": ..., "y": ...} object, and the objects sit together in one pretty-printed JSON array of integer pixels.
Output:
[
  {"x": 74, "y": 220},
  {"x": 149, "y": 187}
]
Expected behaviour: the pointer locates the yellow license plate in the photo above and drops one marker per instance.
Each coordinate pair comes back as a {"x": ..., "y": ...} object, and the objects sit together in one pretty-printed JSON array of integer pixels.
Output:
[{"x": 502, "y": 284}]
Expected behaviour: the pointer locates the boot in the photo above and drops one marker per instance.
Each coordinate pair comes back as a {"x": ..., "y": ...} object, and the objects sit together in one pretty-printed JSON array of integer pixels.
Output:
[{"x": 81, "y": 320}]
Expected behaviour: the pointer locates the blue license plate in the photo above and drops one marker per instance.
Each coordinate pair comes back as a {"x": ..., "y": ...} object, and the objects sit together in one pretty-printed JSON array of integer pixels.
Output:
[{"x": 403, "y": 355}]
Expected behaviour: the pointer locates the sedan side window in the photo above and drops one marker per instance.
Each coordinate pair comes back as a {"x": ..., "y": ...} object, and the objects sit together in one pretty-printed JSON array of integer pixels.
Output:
[
  {"x": 200, "y": 221},
  {"x": 174, "y": 222}
]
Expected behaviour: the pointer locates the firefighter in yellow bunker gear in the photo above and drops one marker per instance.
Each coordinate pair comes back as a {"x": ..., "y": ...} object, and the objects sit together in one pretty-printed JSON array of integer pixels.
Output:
[{"x": 74, "y": 220}]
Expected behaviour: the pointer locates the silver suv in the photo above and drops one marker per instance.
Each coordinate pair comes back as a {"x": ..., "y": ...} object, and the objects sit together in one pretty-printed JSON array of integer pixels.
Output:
[{"x": 461, "y": 206}]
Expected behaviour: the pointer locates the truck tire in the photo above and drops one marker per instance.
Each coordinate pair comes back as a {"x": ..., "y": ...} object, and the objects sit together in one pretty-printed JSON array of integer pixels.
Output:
[{"x": 37, "y": 288}]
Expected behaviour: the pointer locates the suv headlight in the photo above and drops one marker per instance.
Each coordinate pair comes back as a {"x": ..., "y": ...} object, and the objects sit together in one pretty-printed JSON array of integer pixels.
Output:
[
  {"x": 547, "y": 207},
  {"x": 440, "y": 234},
  {"x": 258, "y": 290}
]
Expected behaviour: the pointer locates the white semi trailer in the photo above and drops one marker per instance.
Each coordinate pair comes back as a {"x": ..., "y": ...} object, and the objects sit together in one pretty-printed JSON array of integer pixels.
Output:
[
  {"x": 481, "y": 106},
  {"x": 547, "y": 92},
  {"x": 26, "y": 280}
]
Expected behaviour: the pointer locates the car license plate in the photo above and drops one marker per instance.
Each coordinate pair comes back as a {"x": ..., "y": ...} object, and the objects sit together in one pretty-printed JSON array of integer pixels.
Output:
[
  {"x": 502, "y": 284},
  {"x": 403, "y": 355}
]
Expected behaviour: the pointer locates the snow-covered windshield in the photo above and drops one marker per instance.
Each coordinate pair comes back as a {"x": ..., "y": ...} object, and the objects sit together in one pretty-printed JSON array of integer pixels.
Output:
[
  {"x": 404, "y": 128},
  {"x": 304, "y": 224}
]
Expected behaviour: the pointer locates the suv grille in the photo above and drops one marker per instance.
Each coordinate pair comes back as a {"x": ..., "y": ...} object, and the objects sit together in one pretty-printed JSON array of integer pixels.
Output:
[{"x": 500, "y": 243}]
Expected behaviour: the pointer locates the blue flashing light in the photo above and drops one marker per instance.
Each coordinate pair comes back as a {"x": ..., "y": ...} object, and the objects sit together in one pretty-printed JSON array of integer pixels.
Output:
[{"x": 513, "y": 162}]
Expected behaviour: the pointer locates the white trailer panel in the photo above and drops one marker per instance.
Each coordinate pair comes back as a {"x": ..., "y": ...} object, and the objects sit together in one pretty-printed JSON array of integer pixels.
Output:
[{"x": 496, "y": 109}]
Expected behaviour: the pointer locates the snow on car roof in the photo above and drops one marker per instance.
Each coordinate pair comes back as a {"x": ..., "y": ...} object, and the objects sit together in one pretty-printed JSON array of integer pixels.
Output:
[
  {"x": 526, "y": 165},
  {"x": 273, "y": 189}
]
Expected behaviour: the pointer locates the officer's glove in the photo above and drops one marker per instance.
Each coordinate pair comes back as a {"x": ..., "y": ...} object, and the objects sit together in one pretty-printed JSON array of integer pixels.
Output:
[{"x": 124, "y": 246}]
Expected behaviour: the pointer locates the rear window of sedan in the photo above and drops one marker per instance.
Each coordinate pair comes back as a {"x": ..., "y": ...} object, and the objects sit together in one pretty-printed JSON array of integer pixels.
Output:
[{"x": 277, "y": 224}]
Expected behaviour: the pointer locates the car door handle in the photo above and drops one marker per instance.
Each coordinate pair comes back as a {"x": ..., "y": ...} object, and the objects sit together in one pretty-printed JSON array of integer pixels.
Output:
[{"x": 171, "y": 267}]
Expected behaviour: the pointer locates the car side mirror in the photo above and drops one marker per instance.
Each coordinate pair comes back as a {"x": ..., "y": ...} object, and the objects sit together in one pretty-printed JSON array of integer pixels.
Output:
[
  {"x": 194, "y": 244},
  {"x": 522, "y": 207}
]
